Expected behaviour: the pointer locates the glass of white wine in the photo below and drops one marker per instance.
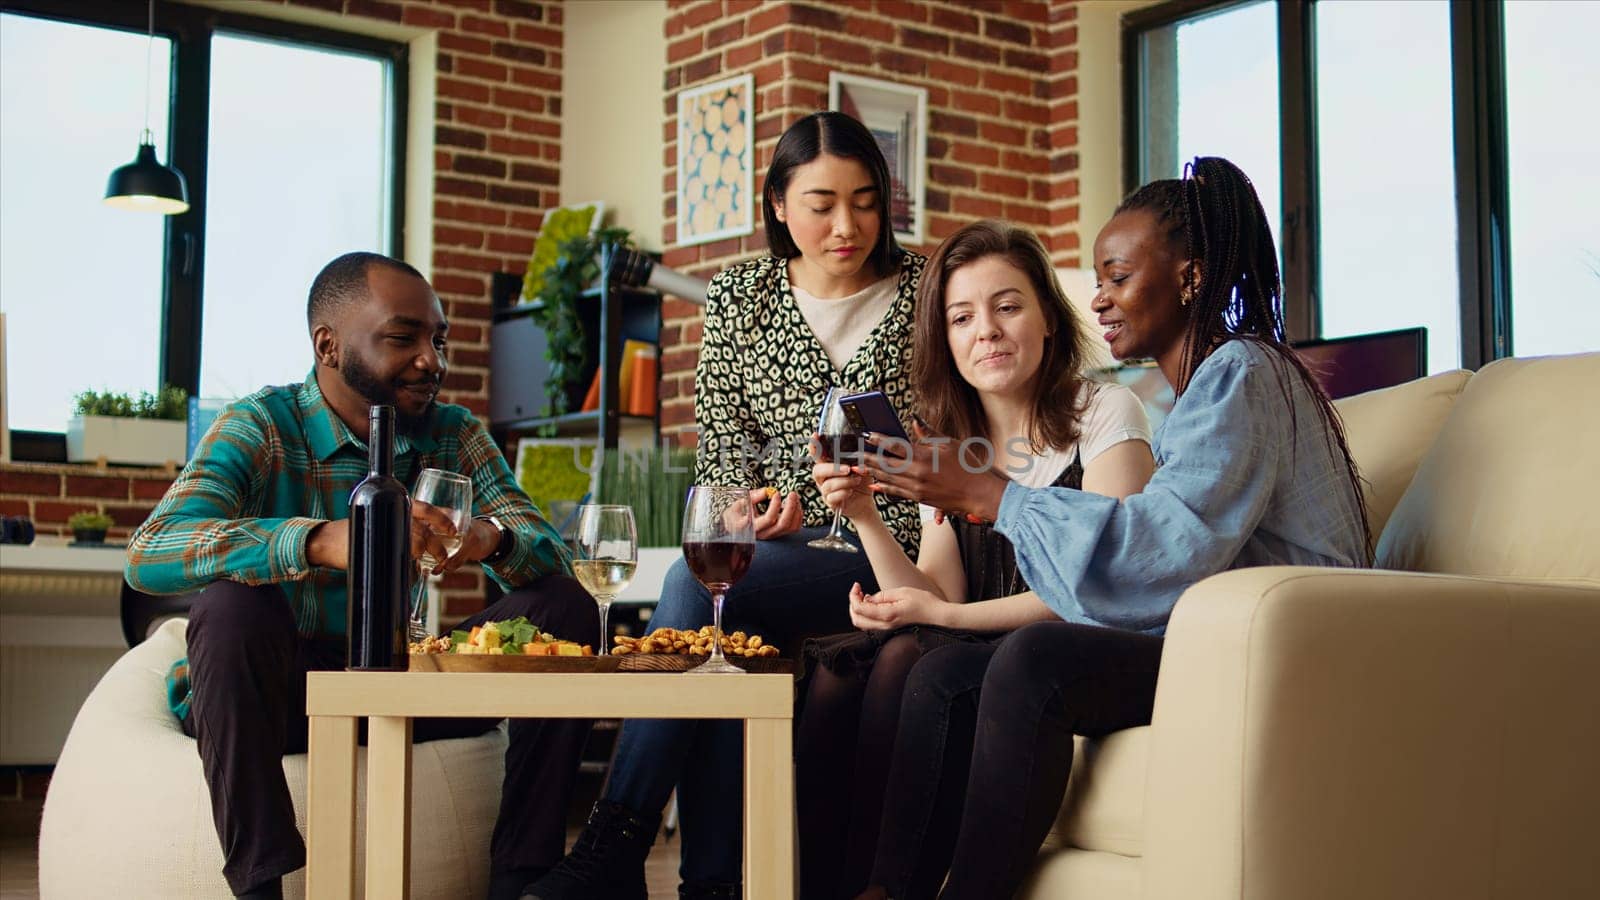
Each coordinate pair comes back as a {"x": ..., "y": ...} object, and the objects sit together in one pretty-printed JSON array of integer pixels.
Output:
[
  {"x": 608, "y": 552},
  {"x": 451, "y": 494}
]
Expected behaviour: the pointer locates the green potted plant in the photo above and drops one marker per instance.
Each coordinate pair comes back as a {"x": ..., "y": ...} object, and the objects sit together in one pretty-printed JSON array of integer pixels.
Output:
[
  {"x": 654, "y": 482},
  {"x": 145, "y": 430},
  {"x": 552, "y": 287},
  {"x": 89, "y": 527}
]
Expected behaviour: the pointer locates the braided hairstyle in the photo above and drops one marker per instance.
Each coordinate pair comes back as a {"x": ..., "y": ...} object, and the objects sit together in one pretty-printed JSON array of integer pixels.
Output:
[{"x": 1231, "y": 285}]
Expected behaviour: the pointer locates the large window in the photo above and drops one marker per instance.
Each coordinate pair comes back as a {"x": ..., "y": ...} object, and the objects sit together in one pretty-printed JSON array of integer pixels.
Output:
[
  {"x": 1551, "y": 72},
  {"x": 290, "y": 140},
  {"x": 1386, "y": 173},
  {"x": 297, "y": 173},
  {"x": 1429, "y": 157},
  {"x": 1211, "y": 89},
  {"x": 80, "y": 283}
]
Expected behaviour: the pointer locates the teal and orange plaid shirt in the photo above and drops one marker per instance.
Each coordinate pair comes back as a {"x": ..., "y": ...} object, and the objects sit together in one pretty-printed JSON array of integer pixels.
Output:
[{"x": 279, "y": 462}]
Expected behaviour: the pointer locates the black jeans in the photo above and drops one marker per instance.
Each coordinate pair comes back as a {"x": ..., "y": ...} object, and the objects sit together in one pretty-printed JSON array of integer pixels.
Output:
[
  {"x": 791, "y": 592},
  {"x": 985, "y": 748},
  {"x": 248, "y": 666}
]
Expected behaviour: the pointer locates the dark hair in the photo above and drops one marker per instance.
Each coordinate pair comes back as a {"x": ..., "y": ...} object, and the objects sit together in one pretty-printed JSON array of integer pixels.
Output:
[
  {"x": 344, "y": 282},
  {"x": 1214, "y": 218},
  {"x": 945, "y": 399},
  {"x": 835, "y": 134}
]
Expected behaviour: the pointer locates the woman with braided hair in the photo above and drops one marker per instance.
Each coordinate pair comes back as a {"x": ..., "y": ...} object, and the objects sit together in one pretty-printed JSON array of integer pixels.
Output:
[{"x": 1253, "y": 470}]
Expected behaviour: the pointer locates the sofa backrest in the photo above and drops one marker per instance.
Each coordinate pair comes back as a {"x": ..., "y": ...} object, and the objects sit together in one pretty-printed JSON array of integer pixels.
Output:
[
  {"x": 1389, "y": 430},
  {"x": 1511, "y": 486}
]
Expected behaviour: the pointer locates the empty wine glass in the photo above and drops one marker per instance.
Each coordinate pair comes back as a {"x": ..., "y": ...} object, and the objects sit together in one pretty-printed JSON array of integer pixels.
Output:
[
  {"x": 608, "y": 551},
  {"x": 450, "y": 494},
  {"x": 719, "y": 543},
  {"x": 839, "y": 443}
]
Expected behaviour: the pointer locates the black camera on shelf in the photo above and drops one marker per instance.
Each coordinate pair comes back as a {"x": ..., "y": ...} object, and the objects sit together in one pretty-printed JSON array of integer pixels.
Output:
[{"x": 16, "y": 530}]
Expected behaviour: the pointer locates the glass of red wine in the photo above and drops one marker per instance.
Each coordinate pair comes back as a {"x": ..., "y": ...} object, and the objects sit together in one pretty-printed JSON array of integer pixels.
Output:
[
  {"x": 840, "y": 444},
  {"x": 719, "y": 542}
]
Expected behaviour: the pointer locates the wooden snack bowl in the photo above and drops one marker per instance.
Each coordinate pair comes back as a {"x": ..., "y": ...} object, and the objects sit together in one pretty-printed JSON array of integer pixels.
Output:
[
  {"x": 475, "y": 662},
  {"x": 631, "y": 662}
]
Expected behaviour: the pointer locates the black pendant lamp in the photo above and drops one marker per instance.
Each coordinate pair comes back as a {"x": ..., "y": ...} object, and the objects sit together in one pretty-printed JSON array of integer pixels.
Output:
[{"x": 145, "y": 184}]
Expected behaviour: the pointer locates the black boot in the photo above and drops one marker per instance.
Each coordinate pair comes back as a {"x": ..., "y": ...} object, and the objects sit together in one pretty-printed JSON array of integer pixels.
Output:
[
  {"x": 709, "y": 890},
  {"x": 606, "y": 862}
]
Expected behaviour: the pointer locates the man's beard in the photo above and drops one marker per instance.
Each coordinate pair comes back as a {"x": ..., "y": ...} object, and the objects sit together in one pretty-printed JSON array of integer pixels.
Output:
[{"x": 361, "y": 379}]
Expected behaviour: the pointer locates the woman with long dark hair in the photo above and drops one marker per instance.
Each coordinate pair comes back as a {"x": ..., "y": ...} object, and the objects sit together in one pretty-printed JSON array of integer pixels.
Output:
[
  {"x": 831, "y": 305},
  {"x": 1253, "y": 470}
]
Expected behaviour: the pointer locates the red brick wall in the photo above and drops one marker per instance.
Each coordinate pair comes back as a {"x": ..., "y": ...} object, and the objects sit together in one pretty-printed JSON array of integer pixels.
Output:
[
  {"x": 48, "y": 494},
  {"x": 1001, "y": 116},
  {"x": 497, "y": 158}
]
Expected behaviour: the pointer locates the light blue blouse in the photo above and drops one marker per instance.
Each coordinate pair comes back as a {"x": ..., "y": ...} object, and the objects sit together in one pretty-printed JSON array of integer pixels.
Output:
[{"x": 1245, "y": 477}]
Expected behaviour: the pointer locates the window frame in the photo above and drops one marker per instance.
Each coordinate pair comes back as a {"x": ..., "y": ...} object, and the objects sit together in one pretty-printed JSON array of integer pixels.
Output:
[
  {"x": 1478, "y": 94},
  {"x": 190, "y": 28}
]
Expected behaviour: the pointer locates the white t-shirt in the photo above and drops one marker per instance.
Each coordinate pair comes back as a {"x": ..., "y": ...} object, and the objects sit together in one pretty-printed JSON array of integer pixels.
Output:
[
  {"x": 1114, "y": 415},
  {"x": 842, "y": 325}
]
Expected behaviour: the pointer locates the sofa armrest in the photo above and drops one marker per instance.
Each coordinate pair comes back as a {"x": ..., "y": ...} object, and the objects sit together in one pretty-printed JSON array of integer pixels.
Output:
[{"x": 1325, "y": 733}]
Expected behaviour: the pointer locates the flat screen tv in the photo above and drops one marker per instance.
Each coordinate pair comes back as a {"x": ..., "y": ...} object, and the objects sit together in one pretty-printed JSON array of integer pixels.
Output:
[{"x": 1366, "y": 362}]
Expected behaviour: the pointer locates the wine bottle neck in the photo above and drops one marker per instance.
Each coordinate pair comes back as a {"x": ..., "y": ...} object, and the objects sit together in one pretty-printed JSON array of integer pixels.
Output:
[{"x": 380, "y": 441}]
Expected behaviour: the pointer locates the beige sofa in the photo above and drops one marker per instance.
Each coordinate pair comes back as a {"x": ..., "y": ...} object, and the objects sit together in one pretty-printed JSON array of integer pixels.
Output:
[{"x": 1427, "y": 730}]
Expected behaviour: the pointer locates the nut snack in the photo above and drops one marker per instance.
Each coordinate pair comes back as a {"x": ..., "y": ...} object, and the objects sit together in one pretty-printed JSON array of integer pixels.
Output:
[{"x": 666, "y": 641}]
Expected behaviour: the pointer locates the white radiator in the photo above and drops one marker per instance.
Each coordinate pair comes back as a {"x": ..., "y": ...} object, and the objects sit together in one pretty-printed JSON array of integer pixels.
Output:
[
  {"x": 41, "y": 689},
  {"x": 59, "y": 632}
]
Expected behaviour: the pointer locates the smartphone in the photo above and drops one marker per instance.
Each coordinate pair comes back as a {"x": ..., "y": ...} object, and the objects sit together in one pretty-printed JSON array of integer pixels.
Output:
[{"x": 872, "y": 411}]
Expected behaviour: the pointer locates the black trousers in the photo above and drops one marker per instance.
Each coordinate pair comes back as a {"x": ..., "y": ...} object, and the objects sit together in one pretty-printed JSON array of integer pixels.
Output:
[
  {"x": 248, "y": 666},
  {"x": 985, "y": 747}
]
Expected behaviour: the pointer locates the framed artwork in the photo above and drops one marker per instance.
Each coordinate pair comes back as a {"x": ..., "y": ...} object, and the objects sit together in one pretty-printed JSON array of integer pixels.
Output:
[
  {"x": 897, "y": 115},
  {"x": 558, "y": 474},
  {"x": 716, "y": 160},
  {"x": 560, "y": 225}
]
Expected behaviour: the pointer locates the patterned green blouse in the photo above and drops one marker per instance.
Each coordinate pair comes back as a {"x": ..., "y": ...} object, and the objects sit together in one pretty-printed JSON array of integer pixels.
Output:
[{"x": 762, "y": 377}]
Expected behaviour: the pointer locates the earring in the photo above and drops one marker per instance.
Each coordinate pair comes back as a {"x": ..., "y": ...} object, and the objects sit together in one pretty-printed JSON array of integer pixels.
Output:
[{"x": 1185, "y": 297}]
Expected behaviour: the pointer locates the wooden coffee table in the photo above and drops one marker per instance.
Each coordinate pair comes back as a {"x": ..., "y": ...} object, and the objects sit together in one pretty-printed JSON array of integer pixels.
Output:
[{"x": 390, "y": 700}]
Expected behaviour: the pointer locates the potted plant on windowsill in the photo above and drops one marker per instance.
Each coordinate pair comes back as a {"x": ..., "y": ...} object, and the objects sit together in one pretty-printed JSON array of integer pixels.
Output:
[
  {"x": 89, "y": 527},
  {"x": 147, "y": 430}
]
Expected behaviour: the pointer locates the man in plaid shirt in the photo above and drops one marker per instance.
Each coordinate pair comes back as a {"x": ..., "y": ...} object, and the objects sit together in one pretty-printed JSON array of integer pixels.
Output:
[{"x": 256, "y": 523}]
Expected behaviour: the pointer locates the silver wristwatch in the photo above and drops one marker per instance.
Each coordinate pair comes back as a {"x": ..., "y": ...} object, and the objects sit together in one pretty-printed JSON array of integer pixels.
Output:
[{"x": 502, "y": 549}]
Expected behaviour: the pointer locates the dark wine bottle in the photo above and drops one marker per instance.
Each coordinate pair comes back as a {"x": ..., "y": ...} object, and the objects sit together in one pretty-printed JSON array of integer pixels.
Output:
[{"x": 379, "y": 575}]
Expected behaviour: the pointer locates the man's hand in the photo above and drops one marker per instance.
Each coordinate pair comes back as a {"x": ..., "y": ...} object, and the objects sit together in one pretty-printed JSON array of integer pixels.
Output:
[
  {"x": 429, "y": 523},
  {"x": 328, "y": 545},
  {"x": 894, "y": 607},
  {"x": 930, "y": 470},
  {"x": 778, "y": 519}
]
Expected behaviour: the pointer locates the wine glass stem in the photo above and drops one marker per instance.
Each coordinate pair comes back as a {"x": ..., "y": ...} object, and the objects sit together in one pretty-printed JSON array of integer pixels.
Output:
[
  {"x": 419, "y": 601},
  {"x": 838, "y": 523},
  {"x": 716, "y": 628},
  {"x": 605, "y": 635}
]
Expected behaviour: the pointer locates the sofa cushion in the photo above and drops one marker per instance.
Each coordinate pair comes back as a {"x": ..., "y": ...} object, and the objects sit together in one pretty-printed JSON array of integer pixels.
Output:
[
  {"x": 1067, "y": 873},
  {"x": 1389, "y": 431},
  {"x": 1510, "y": 486},
  {"x": 1104, "y": 807}
]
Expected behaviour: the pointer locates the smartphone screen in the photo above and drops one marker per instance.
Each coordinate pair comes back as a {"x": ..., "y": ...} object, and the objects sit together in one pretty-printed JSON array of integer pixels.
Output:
[{"x": 872, "y": 411}]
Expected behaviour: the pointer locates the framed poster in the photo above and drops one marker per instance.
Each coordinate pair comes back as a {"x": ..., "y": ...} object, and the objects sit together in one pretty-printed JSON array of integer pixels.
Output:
[
  {"x": 897, "y": 115},
  {"x": 716, "y": 160}
]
